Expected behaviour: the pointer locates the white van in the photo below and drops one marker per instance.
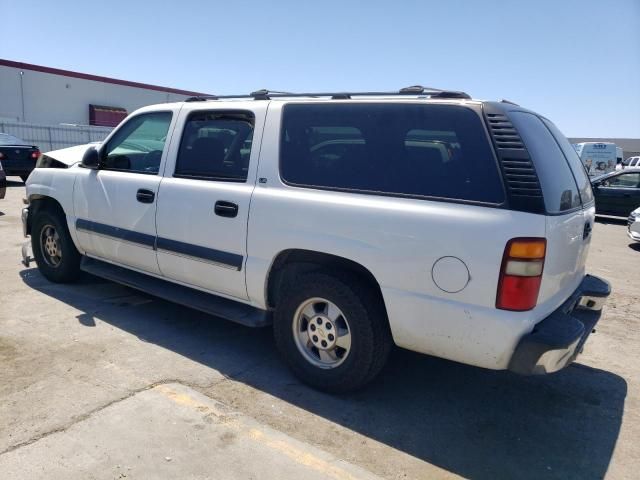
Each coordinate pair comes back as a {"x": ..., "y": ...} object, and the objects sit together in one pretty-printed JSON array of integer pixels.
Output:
[
  {"x": 619, "y": 158},
  {"x": 597, "y": 157}
]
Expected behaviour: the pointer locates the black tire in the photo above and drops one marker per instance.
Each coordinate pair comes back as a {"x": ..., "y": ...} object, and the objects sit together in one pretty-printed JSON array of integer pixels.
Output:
[
  {"x": 24, "y": 178},
  {"x": 367, "y": 322},
  {"x": 68, "y": 268}
]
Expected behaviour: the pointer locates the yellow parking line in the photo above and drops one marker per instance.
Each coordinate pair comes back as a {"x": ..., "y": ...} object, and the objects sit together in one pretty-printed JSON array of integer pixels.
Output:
[{"x": 261, "y": 436}]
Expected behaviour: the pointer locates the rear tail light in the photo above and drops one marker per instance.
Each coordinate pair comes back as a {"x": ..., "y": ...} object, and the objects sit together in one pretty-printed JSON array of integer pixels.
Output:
[
  {"x": 35, "y": 154},
  {"x": 521, "y": 274}
]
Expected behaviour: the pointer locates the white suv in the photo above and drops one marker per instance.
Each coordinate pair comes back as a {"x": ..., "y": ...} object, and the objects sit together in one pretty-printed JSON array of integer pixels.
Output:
[{"x": 353, "y": 221}]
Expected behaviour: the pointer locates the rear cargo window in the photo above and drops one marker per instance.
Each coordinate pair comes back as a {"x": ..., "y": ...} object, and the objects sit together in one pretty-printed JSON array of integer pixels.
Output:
[
  {"x": 556, "y": 179},
  {"x": 436, "y": 151},
  {"x": 579, "y": 173}
]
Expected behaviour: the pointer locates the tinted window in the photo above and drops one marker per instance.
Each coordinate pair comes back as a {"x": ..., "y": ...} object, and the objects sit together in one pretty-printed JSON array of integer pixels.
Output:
[
  {"x": 416, "y": 150},
  {"x": 216, "y": 146},
  {"x": 137, "y": 146},
  {"x": 579, "y": 172},
  {"x": 626, "y": 180},
  {"x": 556, "y": 179}
]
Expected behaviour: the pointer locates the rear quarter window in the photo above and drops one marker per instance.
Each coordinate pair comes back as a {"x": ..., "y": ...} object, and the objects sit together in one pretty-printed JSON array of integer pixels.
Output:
[
  {"x": 556, "y": 178},
  {"x": 434, "y": 151}
]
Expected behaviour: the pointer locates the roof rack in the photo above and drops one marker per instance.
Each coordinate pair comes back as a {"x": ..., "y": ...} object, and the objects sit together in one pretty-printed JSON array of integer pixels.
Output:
[{"x": 266, "y": 94}]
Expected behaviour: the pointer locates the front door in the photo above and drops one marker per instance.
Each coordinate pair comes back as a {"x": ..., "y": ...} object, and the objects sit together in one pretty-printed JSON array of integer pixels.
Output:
[
  {"x": 203, "y": 203},
  {"x": 115, "y": 206}
]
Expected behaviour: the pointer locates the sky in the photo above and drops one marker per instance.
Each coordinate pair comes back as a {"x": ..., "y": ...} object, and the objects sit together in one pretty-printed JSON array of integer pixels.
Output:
[{"x": 576, "y": 62}]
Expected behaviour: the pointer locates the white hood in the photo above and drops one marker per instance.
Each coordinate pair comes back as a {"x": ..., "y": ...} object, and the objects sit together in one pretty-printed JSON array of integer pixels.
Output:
[{"x": 72, "y": 155}]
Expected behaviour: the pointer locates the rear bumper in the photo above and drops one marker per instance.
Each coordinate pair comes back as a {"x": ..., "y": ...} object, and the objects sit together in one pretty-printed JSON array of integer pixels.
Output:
[
  {"x": 558, "y": 339},
  {"x": 22, "y": 167}
]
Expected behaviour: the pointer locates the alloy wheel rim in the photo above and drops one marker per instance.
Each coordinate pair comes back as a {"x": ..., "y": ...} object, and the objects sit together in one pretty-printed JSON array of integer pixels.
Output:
[
  {"x": 322, "y": 333},
  {"x": 50, "y": 246}
]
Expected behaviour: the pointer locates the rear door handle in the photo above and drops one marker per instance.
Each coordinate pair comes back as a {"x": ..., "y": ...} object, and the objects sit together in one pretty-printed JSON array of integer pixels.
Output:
[
  {"x": 145, "y": 196},
  {"x": 587, "y": 230},
  {"x": 226, "y": 209}
]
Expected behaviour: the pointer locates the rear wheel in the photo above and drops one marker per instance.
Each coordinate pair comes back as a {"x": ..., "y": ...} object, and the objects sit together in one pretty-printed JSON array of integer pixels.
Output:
[
  {"x": 332, "y": 331},
  {"x": 55, "y": 253}
]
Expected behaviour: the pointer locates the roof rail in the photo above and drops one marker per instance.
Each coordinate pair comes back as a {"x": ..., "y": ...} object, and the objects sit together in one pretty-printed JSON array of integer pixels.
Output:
[{"x": 265, "y": 94}]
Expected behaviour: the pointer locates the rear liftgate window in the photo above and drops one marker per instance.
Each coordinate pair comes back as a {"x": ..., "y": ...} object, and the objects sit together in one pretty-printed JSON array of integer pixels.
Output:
[
  {"x": 411, "y": 150},
  {"x": 556, "y": 178},
  {"x": 579, "y": 173}
]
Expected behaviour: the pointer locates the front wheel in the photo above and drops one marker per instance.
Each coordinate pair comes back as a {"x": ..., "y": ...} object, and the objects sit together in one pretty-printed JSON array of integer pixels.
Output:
[
  {"x": 332, "y": 331},
  {"x": 55, "y": 253}
]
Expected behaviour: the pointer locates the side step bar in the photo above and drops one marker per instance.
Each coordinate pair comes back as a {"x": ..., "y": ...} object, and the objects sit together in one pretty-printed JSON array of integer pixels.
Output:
[{"x": 189, "y": 297}]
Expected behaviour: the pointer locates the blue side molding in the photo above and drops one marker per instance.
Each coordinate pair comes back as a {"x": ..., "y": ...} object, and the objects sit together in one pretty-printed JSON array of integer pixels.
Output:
[
  {"x": 207, "y": 254},
  {"x": 226, "y": 259},
  {"x": 116, "y": 232}
]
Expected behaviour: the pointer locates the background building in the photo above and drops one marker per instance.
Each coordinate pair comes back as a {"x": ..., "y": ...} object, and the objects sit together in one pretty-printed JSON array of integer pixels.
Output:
[
  {"x": 54, "y": 108},
  {"x": 36, "y": 94}
]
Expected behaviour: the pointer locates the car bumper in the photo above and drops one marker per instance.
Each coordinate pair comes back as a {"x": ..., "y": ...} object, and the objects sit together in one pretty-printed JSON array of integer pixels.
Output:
[
  {"x": 633, "y": 229},
  {"x": 27, "y": 255},
  {"x": 25, "y": 221},
  {"x": 558, "y": 339}
]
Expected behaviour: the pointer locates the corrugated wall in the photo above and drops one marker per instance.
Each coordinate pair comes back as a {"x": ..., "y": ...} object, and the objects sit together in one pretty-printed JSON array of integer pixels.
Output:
[{"x": 48, "y": 137}]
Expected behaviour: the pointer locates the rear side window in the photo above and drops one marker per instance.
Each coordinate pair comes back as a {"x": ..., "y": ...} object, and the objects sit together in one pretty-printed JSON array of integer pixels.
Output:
[
  {"x": 625, "y": 180},
  {"x": 556, "y": 179},
  {"x": 216, "y": 146},
  {"x": 436, "y": 151},
  {"x": 579, "y": 172}
]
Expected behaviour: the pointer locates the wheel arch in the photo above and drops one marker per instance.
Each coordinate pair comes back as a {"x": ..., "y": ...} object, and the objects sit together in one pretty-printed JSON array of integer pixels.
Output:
[
  {"x": 38, "y": 203},
  {"x": 292, "y": 262}
]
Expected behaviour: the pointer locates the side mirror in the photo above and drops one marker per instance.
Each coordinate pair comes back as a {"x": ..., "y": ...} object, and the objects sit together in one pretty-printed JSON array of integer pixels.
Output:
[{"x": 91, "y": 158}]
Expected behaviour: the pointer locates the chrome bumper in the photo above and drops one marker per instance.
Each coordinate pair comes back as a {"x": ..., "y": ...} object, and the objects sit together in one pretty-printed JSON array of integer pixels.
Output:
[
  {"x": 27, "y": 254},
  {"x": 25, "y": 219}
]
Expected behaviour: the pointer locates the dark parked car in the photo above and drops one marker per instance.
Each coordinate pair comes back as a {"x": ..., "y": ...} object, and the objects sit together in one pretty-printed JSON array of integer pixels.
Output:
[
  {"x": 17, "y": 156},
  {"x": 617, "y": 193},
  {"x": 3, "y": 182}
]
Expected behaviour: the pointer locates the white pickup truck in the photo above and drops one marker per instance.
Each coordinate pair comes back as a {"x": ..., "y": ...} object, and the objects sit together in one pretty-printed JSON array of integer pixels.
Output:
[{"x": 350, "y": 221}]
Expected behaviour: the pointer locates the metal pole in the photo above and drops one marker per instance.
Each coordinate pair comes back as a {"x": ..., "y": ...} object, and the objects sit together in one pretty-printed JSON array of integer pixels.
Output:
[{"x": 22, "y": 94}]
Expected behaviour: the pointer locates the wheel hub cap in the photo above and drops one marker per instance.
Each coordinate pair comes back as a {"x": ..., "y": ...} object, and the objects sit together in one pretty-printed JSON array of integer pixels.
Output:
[
  {"x": 322, "y": 333},
  {"x": 50, "y": 246}
]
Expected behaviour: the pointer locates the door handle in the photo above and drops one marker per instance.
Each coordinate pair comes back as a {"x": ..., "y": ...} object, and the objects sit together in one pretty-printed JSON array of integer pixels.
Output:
[
  {"x": 145, "y": 196},
  {"x": 226, "y": 209},
  {"x": 587, "y": 230}
]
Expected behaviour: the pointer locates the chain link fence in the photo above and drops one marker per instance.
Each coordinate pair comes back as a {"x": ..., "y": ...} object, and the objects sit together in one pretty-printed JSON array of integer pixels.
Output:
[{"x": 49, "y": 137}]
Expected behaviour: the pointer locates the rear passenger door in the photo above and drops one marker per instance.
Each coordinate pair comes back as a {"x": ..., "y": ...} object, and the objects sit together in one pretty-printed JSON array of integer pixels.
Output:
[{"x": 203, "y": 204}]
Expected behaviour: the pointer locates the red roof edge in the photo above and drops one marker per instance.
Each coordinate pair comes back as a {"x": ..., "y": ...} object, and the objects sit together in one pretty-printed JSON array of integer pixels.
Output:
[{"x": 95, "y": 78}]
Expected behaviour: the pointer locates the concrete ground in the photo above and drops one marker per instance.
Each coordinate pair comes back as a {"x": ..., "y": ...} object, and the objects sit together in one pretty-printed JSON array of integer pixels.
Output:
[{"x": 100, "y": 381}]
